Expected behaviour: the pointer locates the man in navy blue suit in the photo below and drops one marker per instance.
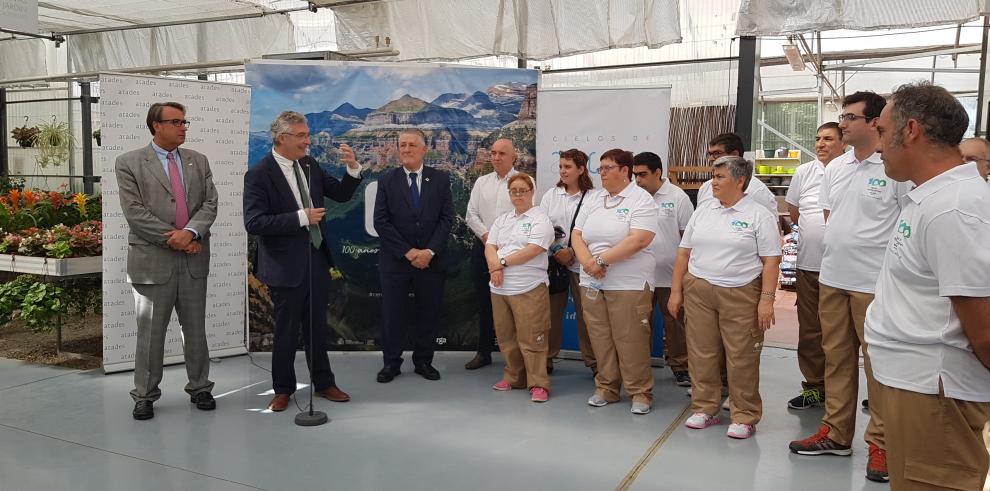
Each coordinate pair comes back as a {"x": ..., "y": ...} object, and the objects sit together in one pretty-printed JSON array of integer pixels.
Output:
[
  {"x": 413, "y": 215},
  {"x": 283, "y": 205}
]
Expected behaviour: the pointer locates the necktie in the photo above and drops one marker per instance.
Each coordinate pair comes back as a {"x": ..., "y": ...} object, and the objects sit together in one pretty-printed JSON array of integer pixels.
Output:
[
  {"x": 178, "y": 192},
  {"x": 315, "y": 237},
  {"x": 414, "y": 189}
]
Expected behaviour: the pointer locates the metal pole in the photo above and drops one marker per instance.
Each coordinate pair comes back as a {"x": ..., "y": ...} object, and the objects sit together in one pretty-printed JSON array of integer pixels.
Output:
[
  {"x": 821, "y": 84},
  {"x": 4, "y": 165},
  {"x": 747, "y": 91},
  {"x": 87, "y": 138},
  {"x": 981, "y": 109}
]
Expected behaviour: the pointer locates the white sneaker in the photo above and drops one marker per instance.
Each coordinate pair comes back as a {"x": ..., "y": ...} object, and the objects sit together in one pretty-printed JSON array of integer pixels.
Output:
[
  {"x": 727, "y": 404},
  {"x": 740, "y": 431},
  {"x": 640, "y": 408},
  {"x": 700, "y": 421},
  {"x": 597, "y": 400}
]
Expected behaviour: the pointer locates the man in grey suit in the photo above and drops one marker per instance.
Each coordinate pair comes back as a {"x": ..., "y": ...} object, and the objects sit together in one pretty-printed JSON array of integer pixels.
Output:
[{"x": 169, "y": 202}]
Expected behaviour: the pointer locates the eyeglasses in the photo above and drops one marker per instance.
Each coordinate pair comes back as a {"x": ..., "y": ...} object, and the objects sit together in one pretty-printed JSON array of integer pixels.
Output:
[
  {"x": 850, "y": 117},
  {"x": 716, "y": 154},
  {"x": 175, "y": 122},
  {"x": 607, "y": 168},
  {"x": 302, "y": 136},
  {"x": 519, "y": 191}
]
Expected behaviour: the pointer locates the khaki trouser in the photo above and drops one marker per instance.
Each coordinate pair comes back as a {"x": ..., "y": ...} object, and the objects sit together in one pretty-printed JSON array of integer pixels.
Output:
[
  {"x": 522, "y": 323},
  {"x": 811, "y": 355},
  {"x": 723, "y": 322},
  {"x": 619, "y": 327},
  {"x": 934, "y": 442},
  {"x": 558, "y": 303},
  {"x": 842, "y": 314},
  {"x": 674, "y": 342}
]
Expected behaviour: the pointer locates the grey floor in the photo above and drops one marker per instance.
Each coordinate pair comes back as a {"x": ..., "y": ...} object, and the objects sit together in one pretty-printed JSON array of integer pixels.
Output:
[{"x": 66, "y": 429}]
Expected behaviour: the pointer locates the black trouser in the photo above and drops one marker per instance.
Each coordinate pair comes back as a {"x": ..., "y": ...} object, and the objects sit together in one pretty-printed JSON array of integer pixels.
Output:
[
  {"x": 480, "y": 278},
  {"x": 427, "y": 286},
  {"x": 295, "y": 308}
]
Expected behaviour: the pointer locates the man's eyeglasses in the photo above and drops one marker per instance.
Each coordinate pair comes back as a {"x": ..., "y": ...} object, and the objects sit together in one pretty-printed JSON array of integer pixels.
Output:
[
  {"x": 716, "y": 154},
  {"x": 850, "y": 117},
  {"x": 302, "y": 136},
  {"x": 175, "y": 122},
  {"x": 519, "y": 191}
]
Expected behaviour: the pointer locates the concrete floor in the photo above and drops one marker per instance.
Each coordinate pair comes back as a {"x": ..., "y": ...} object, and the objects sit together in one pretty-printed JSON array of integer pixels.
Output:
[{"x": 66, "y": 429}]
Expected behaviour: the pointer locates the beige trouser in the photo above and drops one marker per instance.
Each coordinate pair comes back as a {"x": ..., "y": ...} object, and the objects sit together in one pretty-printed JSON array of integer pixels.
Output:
[
  {"x": 619, "y": 327},
  {"x": 934, "y": 442},
  {"x": 842, "y": 314},
  {"x": 522, "y": 323},
  {"x": 723, "y": 322},
  {"x": 558, "y": 303},
  {"x": 811, "y": 355},
  {"x": 674, "y": 342}
]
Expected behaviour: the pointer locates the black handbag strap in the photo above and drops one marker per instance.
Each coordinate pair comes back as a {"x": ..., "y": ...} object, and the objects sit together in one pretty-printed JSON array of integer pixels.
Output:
[{"x": 570, "y": 231}]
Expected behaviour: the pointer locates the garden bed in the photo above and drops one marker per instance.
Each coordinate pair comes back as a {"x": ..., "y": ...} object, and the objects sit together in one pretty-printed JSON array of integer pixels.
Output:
[{"x": 82, "y": 335}]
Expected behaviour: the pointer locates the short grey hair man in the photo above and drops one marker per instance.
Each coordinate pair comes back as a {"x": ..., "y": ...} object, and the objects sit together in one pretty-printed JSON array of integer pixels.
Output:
[
  {"x": 418, "y": 133},
  {"x": 977, "y": 150},
  {"x": 283, "y": 123},
  {"x": 739, "y": 168}
]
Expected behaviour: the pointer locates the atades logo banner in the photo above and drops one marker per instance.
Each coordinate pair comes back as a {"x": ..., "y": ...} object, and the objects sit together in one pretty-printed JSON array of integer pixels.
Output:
[
  {"x": 462, "y": 110},
  {"x": 218, "y": 116}
]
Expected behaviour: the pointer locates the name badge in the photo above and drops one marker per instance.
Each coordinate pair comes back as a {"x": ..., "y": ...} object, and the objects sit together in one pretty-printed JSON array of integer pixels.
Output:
[
  {"x": 526, "y": 228},
  {"x": 622, "y": 215},
  {"x": 739, "y": 226},
  {"x": 875, "y": 187}
]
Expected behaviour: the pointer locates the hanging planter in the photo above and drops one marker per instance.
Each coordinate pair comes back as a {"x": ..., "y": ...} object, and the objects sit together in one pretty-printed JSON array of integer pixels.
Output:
[
  {"x": 25, "y": 135},
  {"x": 55, "y": 142}
]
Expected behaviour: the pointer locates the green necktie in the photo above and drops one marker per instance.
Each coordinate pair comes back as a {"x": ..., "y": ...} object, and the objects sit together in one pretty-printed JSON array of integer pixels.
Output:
[{"x": 315, "y": 237}]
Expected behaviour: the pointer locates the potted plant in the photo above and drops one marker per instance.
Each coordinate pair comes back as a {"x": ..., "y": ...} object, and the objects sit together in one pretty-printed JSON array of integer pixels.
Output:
[
  {"x": 96, "y": 136},
  {"x": 55, "y": 141},
  {"x": 25, "y": 135}
]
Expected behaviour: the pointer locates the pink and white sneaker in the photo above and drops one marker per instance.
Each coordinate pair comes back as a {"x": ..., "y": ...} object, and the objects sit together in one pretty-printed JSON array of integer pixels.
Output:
[
  {"x": 539, "y": 394},
  {"x": 740, "y": 431},
  {"x": 502, "y": 386},
  {"x": 700, "y": 421}
]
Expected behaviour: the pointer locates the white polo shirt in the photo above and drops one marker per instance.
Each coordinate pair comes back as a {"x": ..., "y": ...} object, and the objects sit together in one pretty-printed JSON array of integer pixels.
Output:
[
  {"x": 604, "y": 221},
  {"x": 560, "y": 207},
  {"x": 803, "y": 193},
  {"x": 674, "y": 212},
  {"x": 864, "y": 204},
  {"x": 511, "y": 232},
  {"x": 727, "y": 243},
  {"x": 937, "y": 251},
  {"x": 489, "y": 200},
  {"x": 756, "y": 190}
]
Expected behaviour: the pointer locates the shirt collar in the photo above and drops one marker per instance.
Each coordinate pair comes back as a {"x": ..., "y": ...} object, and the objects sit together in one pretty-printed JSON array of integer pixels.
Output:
[
  {"x": 935, "y": 184},
  {"x": 664, "y": 188},
  {"x": 161, "y": 152},
  {"x": 418, "y": 171},
  {"x": 626, "y": 191},
  {"x": 850, "y": 158},
  {"x": 716, "y": 203},
  {"x": 280, "y": 160},
  {"x": 509, "y": 174}
]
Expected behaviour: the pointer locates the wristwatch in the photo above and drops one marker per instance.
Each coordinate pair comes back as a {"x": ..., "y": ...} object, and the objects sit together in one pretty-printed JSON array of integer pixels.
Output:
[
  {"x": 601, "y": 262},
  {"x": 502, "y": 262}
]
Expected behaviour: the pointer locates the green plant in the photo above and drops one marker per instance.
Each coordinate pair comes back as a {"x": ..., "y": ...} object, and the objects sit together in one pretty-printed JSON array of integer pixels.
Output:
[
  {"x": 12, "y": 296},
  {"x": 25, "y": 135},
  {"x": 55, "y": 141},
  {"x": 42, "y": 303},
  {"x": 84, "y": 295}
]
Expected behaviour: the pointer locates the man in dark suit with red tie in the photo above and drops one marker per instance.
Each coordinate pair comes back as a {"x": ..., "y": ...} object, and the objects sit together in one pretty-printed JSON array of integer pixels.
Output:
[
  {"x": 413, "y": 216},
  {"x": 283, "y": 205}
]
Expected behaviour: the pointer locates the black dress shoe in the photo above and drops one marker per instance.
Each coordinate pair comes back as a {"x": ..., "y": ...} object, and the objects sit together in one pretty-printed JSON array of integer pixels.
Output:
[
  {"x": 478, "y": 361},
  {"x": 143, "y": 410},
  {"x": 427, "y": 371},
  {"x": 386, "y": 374},
  {"x": 203, "y": 400}
]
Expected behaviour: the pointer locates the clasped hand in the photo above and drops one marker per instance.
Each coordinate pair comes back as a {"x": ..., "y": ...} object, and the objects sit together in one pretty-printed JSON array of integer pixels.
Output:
[
  {"x": 182, "y": 240},
  {"x": 419, "y": 258}
]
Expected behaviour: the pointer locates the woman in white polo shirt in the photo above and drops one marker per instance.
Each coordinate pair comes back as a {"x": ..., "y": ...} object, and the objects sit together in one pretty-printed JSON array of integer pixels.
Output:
[
  {"x": 611, "y": 238},
  {"x": 726, "y": 278},
  {"x": 517, "y": 261},
  {"x": 562, "y": 202}
]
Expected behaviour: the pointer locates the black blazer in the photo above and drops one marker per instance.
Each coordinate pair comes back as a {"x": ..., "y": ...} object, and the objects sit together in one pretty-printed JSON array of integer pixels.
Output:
[
  {"x": 402, "y": 227},
  {"x": 271, "y": 213}
]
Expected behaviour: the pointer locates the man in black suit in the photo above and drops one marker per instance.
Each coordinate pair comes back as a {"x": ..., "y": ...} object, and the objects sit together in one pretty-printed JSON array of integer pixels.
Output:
[
  {"x": 413, "y": 215},
  {"x": 283, "y": 205}
]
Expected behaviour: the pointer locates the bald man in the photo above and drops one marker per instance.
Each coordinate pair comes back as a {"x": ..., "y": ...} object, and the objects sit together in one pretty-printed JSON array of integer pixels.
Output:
[
  {"x": 977, "y": 150},
  {"x": 489, "y": 199}
]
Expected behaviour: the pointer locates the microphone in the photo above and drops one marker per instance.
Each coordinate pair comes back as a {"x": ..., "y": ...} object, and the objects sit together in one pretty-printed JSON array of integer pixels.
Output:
[{"x": 311, "y": 417}]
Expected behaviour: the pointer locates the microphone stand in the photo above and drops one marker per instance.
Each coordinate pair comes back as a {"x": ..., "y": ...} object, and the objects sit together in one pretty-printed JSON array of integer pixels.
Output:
[{"x": 311, "y": 417}]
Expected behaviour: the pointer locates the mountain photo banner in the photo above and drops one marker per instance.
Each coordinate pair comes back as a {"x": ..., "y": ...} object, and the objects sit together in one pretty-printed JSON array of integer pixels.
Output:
[{"x": 461, "y": 109}]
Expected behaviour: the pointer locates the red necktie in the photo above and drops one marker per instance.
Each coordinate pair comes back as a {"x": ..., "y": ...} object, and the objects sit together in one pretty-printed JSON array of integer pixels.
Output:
[{"x": 178, "y": 192}]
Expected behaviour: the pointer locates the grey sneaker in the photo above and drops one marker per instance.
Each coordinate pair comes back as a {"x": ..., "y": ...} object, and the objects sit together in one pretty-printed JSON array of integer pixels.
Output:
[
  {"x": 597, "y": 400},
  {"x": 682, "y": 379},
  {"x": 640, "y": 408}
]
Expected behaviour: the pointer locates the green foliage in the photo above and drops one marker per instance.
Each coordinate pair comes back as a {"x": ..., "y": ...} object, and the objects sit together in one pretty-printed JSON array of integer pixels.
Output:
[
  {"x": 25, "y": 135},
  {"x": 84, "y": 295},
  {"x": 55, "y": 141},
  {"x": 12, "y": 296},
  {"x": 38, "y": 303},
  {"x": 42, "y": 303}
]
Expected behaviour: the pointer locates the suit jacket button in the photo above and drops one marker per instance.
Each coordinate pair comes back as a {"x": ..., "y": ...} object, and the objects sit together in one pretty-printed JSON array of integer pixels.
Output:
[{"x": 172, "y": 200}]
